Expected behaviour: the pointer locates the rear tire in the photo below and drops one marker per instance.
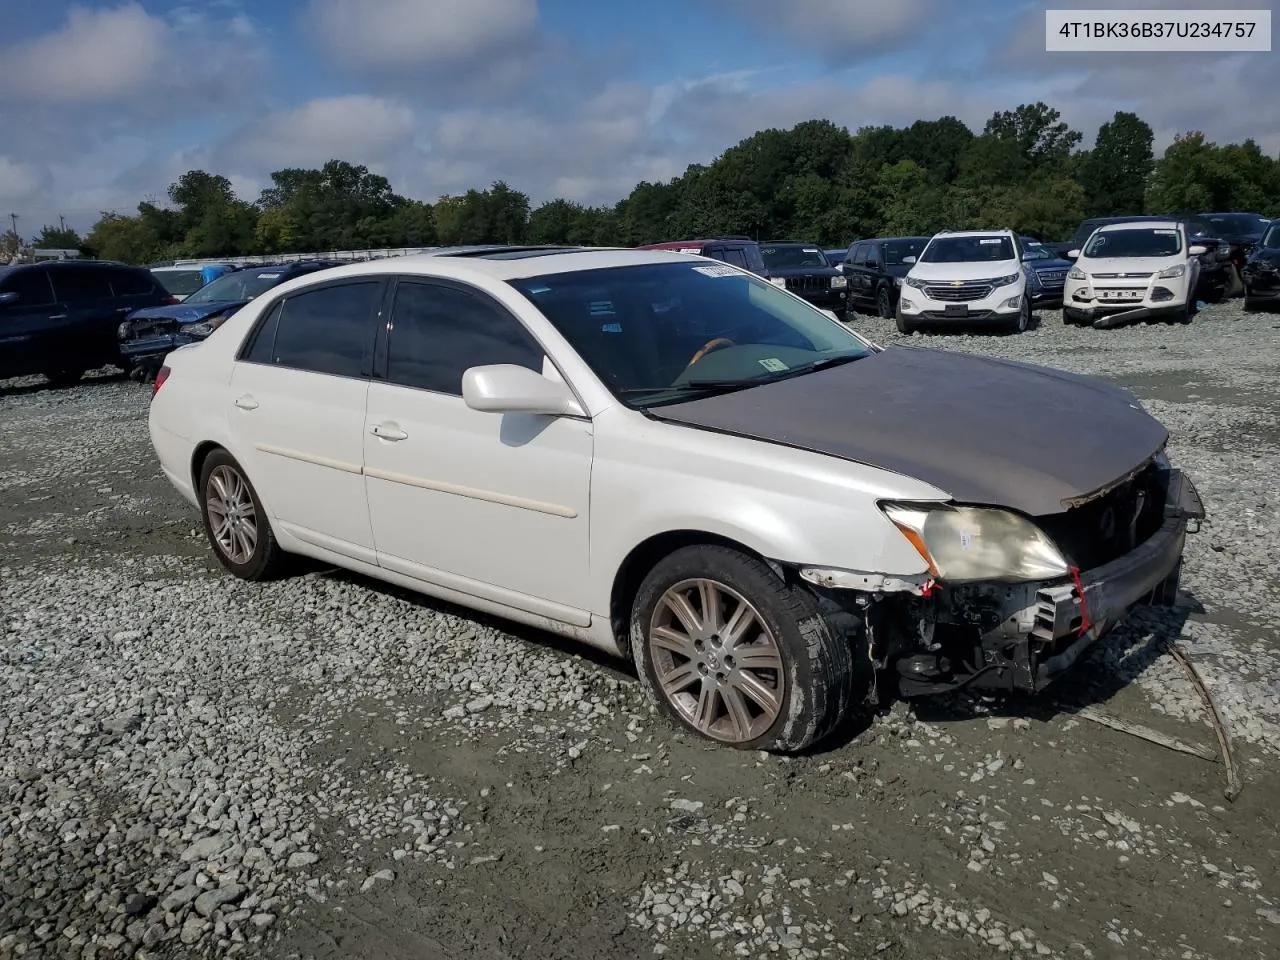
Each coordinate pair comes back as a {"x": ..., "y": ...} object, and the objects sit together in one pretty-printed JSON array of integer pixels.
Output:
[
  {"x": 235, "y": 523},
  {"x": 64, "y": 378},
  {"x": 766, "y": 671}
]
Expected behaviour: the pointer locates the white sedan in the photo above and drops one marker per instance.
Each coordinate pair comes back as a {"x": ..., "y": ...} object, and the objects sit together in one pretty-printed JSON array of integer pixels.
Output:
[
  {"x": 673, "y": 460},
  {"x": 1130, "y": 271}
]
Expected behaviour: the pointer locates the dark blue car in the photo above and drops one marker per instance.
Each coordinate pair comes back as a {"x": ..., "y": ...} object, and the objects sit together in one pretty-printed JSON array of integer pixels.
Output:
[
  {"x": 146, "y": 336},
  {"x": 1046, "y": 273}
]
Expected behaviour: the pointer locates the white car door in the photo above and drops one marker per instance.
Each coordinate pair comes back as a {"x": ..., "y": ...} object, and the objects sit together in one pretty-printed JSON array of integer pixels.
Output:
[
  {"x": 297, "y": 406},
  {"x": 494, "y": 505}
]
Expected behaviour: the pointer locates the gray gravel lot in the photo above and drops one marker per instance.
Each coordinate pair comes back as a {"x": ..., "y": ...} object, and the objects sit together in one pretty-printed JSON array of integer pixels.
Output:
[{"x": 328, "y": 767}]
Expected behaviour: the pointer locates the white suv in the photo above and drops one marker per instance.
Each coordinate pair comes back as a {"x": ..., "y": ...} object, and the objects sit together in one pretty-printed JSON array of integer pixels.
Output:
[
  {"x": 974, "y": 276},
  {"x": 1130, "y": 271},
  {"x": 673, "y": 460}
]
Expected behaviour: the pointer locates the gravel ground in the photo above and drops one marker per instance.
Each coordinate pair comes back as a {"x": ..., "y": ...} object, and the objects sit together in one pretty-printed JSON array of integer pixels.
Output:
[{"x": 327, "y": 767}]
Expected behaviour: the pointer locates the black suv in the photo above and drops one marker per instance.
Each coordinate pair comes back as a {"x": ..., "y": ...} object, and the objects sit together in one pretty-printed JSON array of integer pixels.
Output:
[
  {"x": 806, "y": 272},
  {"x": 60, "y": 318},
  {"x": 874, "y": 270},
  {"x": 1215, "y": 263}
]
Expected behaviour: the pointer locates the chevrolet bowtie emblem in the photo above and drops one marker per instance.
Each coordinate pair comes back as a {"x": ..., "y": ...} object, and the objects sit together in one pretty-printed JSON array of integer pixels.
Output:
[{"x": 957, "y": 283}]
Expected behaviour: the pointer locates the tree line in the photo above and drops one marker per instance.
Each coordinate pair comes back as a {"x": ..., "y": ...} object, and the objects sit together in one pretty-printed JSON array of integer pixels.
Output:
[{"x": 815, "y": 182}]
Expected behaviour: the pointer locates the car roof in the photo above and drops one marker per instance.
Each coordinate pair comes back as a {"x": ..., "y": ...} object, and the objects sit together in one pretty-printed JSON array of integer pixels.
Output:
[
  {"x": 508, "y": 263},
  {"x": 1162, "y": 223},
  {"x": 673, "y": 244},
  {"x": 789, "y": 243},
  {"x": 973, "y": 233}
]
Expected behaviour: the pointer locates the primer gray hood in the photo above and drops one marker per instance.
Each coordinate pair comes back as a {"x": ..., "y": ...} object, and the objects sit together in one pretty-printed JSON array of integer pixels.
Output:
[{"x": 986, "y": 431}]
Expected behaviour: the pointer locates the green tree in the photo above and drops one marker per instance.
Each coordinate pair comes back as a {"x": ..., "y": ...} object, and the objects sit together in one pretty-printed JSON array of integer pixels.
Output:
[
  {"x": 1043, "y": 138},
  {"x": 57, "y": 238},
  {"x": 1114, "y": 174}
]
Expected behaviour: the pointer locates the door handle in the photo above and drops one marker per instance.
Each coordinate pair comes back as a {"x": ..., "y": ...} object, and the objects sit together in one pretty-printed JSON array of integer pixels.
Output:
[
  {"x": 58, "y": 316},
  {"x": 247, "y": 403},
  {"x": 388, "y": 432}
]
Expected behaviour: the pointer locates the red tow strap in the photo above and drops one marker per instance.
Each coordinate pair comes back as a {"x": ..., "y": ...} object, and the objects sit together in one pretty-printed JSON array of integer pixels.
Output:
[{"x": 1085, "y": 622}]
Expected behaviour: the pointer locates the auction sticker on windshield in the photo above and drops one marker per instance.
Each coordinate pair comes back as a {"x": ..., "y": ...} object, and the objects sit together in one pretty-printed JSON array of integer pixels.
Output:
[
  {"x": 268, "y": 276},
  {"x": 717, "y": 270},
  {"x": 773, "y": 365}
]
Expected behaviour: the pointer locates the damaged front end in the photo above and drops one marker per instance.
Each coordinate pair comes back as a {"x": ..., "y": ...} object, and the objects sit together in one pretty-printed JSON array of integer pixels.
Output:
[
  {"x": 1078, "y": 575},
  {"x": 146, "y": 341}
]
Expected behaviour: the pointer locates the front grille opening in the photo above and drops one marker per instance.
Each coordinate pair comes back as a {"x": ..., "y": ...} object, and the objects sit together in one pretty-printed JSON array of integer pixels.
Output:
[{"x": 1105, "y": 529}]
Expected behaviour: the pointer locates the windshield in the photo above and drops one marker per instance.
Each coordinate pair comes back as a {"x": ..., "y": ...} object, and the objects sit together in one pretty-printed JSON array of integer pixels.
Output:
[
  {"x": 1272, "y": 238},
  {"x": 789, "y": 257},
  {"x": 1240, "y": 223},
  {"x": 666, "y": 332},
  {"x": 1139, "y": 242},
  {"x": 967, "y": 250},
  {"x": 1035, "y": 250},
  {"x": 179, "y": 282},
  {"x": 241, "y": 285},
  {"x": 895, "y": 250}
]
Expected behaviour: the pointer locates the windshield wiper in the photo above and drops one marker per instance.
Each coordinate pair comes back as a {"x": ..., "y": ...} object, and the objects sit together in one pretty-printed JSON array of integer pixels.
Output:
[{"x": 820, "y": 364}]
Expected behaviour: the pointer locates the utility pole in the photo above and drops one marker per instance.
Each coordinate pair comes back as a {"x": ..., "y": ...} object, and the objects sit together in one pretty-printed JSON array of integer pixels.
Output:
[
  {"x": 62, "y": 222},
  {"x": 13, "y": 219}
]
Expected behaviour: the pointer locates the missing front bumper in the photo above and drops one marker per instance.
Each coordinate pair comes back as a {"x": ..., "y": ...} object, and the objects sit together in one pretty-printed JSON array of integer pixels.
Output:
[{"x": 1045, "y": 628}]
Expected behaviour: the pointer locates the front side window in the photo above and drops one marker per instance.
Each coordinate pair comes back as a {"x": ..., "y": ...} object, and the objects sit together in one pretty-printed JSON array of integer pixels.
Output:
[
  {"x": 1140, "y": 242},
  {"x": 895, "y": 251},
  {"x": 81, "y": 284},
  {"x": 975, "y": 249},
  {"x": 734, "y": 256},
  {"x": 328, "y": 330},
  {"x": 859, "y": 254},
  {"x": 1271, "y": 240},
  {"x": 660, "y": 333},
  {"x": 180, "y": 283},
  {"x": 438, "y": 332},
  {"x": 31, "y": 286}
]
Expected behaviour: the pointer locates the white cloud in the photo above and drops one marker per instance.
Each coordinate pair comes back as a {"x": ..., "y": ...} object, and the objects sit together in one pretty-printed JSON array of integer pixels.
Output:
[
  {"x": 358, "y": 128},
  {"x": 18, "y": 181},
  {"x": 99, "y": 55},
  {"x": 843, "y": 30},
  {"x": 417, "y": 33}
]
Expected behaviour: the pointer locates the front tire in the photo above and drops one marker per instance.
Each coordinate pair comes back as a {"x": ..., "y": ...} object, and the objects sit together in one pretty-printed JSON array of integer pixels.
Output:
[
  {"x": 905, "y": 327},
  {"x": 729, "y": 651},
  {"x": 235, "y": 523},
  {"x": 1022, "y": 323},
  {"x": 884, "y": 303}
]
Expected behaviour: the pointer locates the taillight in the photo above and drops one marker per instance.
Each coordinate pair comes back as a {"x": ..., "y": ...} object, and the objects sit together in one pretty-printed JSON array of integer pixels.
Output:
[{"x": 161, "y": 377}]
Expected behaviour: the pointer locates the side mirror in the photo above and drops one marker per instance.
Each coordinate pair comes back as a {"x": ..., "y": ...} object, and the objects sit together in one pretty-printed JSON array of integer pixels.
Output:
[
  {"x": 1073, "y": 254},
  {"x": 507, "y": 388},
  {"x": 8, "y": 298},
  {"x": 909, "y": 258},
  {"x": 1196, "y": 250},
  {"x": 1027, "y": 255}
]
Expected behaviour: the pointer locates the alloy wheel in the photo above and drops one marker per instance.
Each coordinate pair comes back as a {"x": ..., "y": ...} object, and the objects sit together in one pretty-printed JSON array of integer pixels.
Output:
[
  {"x": 717, "y": 662},
  {"x": 232, "y": 517}
]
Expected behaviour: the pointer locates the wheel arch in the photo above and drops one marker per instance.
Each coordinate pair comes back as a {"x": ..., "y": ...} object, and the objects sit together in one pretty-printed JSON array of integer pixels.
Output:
[
  {"x": 645, "y": 556},
  {"x": 198, "y": 458}
]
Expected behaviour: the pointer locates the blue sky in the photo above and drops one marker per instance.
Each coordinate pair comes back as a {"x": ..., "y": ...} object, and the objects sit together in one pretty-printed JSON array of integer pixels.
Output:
[{"x": 107, "y": 101}]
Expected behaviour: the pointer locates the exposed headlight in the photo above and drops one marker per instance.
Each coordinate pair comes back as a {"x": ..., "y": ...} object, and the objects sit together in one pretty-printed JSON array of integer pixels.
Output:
[
  {"x": 205, "y": 327},
  {"x": 123, "y": 331},
  {"x": 1075, "y": 273},
  {"x": 838, "y": 282},
  {"x": 915, "y": 282},
  {"x": 1175, "y": 271},
  {"x": 963, "y": 544}
]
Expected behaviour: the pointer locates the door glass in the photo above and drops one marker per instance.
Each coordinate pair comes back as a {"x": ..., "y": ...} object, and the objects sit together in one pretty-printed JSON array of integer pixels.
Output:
[
  {"x": 31, "y": 286},
  {"x": 735, "y": 256},
  {"x": 81, "y": 284},
  {"x": 860, "y": 254},
  {"x": 131, "y": 283},
  {"x": 262, "y": 344},
  {"x": 439, "y": 332},
  {"x": 327, "y": 330}
]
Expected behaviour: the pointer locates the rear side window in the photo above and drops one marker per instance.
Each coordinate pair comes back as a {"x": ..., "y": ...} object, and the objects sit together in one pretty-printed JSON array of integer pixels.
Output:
[
  {"x": 327, "y": 330},
  {"x": 439, "y": 332},
  {"x": 31, "y": 286},
  {"x": 131, "y": 283},
  {"x": 262, "y": 343},
  {"x": 735, "y": 256},
  {"x": 82, "y": 284}
]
